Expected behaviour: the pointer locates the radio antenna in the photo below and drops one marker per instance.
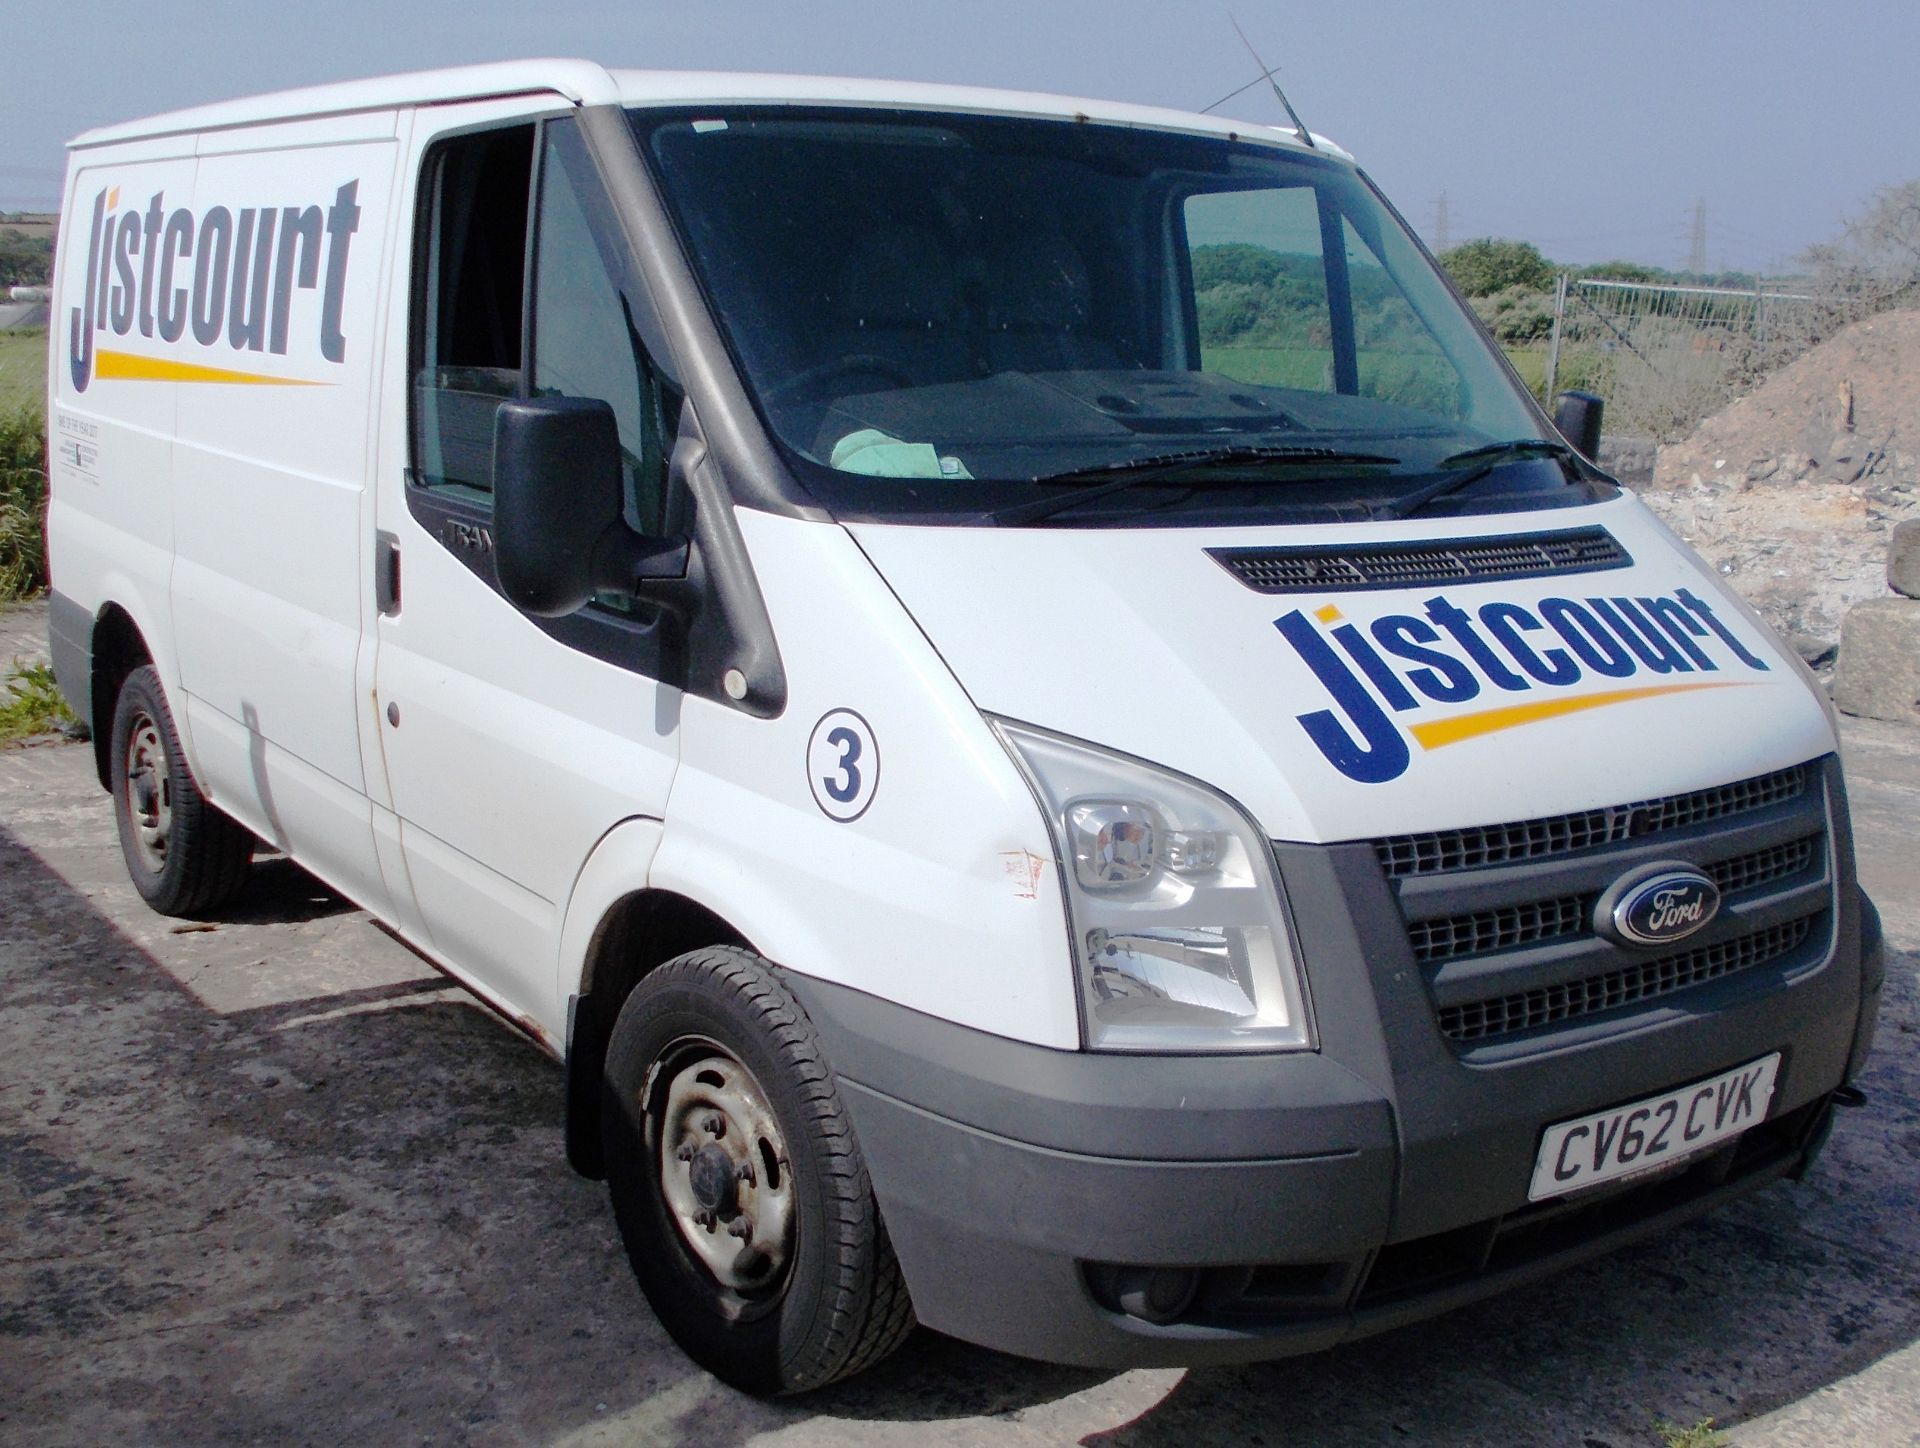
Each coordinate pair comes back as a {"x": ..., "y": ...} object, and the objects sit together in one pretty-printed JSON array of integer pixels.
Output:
[{"x": 1267, "y": 75}]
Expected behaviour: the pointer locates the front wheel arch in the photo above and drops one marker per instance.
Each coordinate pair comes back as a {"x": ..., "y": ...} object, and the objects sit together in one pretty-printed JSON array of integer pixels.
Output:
[{"x": 639, "y": 933}]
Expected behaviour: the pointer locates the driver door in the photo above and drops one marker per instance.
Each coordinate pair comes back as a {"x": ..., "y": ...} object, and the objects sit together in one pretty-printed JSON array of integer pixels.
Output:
[{"x": 512, "y": 745}]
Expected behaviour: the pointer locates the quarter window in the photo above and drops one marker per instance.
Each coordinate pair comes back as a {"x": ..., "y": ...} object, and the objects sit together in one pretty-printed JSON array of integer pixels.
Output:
[
  {"x": 470, "y": 334},
  {"x": 482, "y": 339}
]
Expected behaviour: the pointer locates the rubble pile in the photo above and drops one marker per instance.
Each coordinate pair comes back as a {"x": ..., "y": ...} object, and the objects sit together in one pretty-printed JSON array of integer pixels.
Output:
[
  {"x": 1793, "y": 491},
  {"x": 1879, "y": 669}
]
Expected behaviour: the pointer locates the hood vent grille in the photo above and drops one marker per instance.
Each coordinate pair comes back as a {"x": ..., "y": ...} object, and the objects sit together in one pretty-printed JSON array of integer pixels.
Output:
[{"x": 1418, "y": 565}]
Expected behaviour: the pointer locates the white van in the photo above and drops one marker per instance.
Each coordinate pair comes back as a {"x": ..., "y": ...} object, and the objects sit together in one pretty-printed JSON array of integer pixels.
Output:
[{"x": 1012, "y": 684}]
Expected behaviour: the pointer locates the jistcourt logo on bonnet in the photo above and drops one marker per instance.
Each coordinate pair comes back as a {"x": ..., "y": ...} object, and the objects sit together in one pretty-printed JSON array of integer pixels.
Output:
[
  {"x": 219, "y": 281},
  {"x": 1535, "y": 655}
]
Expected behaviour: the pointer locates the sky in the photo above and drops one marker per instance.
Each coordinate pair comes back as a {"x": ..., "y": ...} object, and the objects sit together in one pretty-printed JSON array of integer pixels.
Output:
[{"x": 1591, "y": 130}]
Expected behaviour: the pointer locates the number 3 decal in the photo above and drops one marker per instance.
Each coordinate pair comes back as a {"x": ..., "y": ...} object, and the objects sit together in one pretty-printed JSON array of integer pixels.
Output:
[{"x": 843, "y": 765}]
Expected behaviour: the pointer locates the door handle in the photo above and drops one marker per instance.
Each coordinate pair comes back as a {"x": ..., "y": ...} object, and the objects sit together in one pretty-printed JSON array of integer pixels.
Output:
[{"x": 386, "y": 573}]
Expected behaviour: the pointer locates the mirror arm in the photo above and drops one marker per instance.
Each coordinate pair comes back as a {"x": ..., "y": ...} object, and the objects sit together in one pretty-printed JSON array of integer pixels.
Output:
[{"x": 624, "y": 561}]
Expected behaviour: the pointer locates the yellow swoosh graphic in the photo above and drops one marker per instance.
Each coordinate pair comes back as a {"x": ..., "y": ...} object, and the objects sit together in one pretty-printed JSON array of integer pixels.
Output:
[
  {"x": 1442, "y": 732},
  {"x": 127, "y": 367}
]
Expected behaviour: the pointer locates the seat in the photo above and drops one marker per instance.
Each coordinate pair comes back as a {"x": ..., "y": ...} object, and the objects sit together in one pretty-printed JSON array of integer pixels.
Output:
[
  {"x": 1040, "y": 302},
  {"x": 898, "y": 304}
]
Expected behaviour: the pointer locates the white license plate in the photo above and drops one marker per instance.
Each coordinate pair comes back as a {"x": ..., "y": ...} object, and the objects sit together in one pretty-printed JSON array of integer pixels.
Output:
[{"x": 1644, "y": 1135}]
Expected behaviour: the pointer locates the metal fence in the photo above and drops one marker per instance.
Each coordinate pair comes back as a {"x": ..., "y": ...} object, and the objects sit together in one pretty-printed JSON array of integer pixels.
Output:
[{"x": 1664, "y": 357}]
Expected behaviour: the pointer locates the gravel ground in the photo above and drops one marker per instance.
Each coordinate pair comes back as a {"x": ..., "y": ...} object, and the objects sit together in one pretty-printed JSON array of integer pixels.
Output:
[{"x": 276, "y": 1181}]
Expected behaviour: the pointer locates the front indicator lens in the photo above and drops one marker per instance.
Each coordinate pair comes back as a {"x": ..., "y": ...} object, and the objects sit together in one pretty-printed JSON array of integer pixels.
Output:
[{"x": 1179, "y": 924}]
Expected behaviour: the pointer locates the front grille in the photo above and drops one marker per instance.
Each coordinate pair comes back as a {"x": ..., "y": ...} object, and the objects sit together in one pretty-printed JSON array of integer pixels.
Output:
[
  {"x": 1763, "y": 867},
  {"x": 1507, "y": 844},
  {"x": 1510, "y": 927},
  {"x": 1505, "y": 928},
  {"x": 1630, "y": 985},
  {"x": 1500, "y": 920},
  {"x": 1414, "y": 565}
]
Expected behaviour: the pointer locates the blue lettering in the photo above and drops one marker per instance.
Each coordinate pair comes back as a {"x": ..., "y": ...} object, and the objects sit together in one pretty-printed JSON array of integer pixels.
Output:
[
  {"x": 120, "y": 304},
  {"x": 1446, "y": 680},
  {"x": 1504, "y": 621},
  {"x": 80, "y": 319},
  {"x": 1374, "y": 667},
  {"x": 1637, "y": 632},
  {"x": 1726, "y": 635},
  {"x": 176, "y": 242},
  {"x": 1459, "y": 623},
  {"x": 1380, "y": 752},
  {"x": 1683, "y": 628},
  {"x": 1585, "y": 636}
]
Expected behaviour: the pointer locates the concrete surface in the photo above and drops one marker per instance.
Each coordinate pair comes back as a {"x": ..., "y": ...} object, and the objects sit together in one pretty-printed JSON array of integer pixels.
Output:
[
  {"x": 23, "y": 634},
  {"x": 278, "y": 1182}
]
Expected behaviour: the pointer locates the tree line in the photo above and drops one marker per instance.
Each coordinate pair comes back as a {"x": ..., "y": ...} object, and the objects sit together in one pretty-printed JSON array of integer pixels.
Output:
[{"x": 25, "y": 260}]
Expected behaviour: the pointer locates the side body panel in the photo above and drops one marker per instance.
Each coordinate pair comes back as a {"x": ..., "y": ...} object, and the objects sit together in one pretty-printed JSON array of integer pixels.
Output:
[
  {"x": 942, "y": 894},
  {"x": 110, "y": 525},
  {"x": 239, "y": 323}
]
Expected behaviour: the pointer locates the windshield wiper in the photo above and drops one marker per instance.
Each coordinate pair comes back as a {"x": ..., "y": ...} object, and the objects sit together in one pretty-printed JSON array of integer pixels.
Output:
[
  {"x": 1484, "y": 460},
  {"x": 1173, "y": 468}
]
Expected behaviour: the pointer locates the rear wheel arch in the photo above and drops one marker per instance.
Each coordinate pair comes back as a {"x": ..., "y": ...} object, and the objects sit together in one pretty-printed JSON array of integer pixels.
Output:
[
  {"x": 640, "y": 932},
  {"x": 115, "y": 650}
]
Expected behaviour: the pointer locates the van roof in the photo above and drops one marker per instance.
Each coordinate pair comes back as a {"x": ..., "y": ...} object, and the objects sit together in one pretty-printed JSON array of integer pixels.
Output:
[{"x": 582, "y": 82}]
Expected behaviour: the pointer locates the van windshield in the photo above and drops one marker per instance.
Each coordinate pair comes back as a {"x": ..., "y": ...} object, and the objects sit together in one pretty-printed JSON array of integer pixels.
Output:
[{"x": 955, "y": 317}]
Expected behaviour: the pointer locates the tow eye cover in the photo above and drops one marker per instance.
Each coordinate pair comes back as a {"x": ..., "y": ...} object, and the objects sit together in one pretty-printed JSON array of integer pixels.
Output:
[{"x": 1657, "y": 904}]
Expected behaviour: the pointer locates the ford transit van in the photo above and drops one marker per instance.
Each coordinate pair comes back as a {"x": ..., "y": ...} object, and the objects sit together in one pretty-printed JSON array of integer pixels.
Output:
[{"x": 1013, "y": 685}]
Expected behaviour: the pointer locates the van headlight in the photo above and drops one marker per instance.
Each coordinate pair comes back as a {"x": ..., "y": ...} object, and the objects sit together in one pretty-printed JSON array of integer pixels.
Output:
[{"x": 1179, "y": 929}]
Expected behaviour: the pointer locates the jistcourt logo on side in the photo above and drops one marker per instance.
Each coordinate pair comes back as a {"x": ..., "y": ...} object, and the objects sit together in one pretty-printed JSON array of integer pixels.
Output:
[{"x": 212, "y": 287}]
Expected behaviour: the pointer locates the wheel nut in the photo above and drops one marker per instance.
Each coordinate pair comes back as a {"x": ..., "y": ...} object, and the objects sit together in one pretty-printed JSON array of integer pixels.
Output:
[
  {"x": 685, "y": 1151},
  {"x": 741, "y": 1227},
  {"x": 744, "y": 1173},
  {"x": 715, "y": 1125}
]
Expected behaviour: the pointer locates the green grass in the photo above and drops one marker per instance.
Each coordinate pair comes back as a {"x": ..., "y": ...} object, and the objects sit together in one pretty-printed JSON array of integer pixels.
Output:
[
  {"x": 1531, "y": 364},
  {"x": 1701, "y": 1435},
  {"x": 1305, "y": 368},
  {"x": 23, "y": 371},
  {"x": 1425, "y": 382},
  {"x": 23, "y": 503},
  {"x": 30, "y": 704}
]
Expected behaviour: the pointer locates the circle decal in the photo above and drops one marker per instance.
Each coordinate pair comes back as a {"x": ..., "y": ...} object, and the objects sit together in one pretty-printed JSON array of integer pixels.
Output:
[{"x": 843, "y": 765}]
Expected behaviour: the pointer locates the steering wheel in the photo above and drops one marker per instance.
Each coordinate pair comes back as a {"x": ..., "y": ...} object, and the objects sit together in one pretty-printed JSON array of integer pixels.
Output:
[{"x": 851, "y": 363}]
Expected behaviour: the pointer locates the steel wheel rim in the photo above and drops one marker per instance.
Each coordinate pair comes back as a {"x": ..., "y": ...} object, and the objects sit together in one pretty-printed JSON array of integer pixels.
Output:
[
  {"x": 740, "y": 1231},
  {"x": 149, "y": 791}
]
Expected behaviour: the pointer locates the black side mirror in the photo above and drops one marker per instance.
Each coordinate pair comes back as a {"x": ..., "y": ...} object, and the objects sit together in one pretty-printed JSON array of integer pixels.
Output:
[
  {"x": 1577, "y": 415},
  {"x": 559, "y": 531}
]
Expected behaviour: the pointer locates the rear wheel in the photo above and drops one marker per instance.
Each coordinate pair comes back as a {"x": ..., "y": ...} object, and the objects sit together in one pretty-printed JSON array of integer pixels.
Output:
[
  {"x": 740, "y": 1191},
  {"x": 185, "y": 857}
]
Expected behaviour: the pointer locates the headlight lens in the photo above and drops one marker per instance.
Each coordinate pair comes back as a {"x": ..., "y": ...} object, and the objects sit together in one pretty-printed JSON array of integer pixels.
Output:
[{"x": 1180, "y": 935}]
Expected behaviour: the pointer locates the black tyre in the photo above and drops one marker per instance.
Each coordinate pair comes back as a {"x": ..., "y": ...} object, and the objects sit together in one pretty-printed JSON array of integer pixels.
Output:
[
  {"x": 185, "y": 856},
  {"x": 740, "y": 1191}
]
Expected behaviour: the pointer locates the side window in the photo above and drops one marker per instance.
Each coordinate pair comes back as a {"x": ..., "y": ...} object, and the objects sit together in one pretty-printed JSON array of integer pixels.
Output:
[
  {"x": 468, "y": 328},
  {"x": 1399, "y": 360},
  {"x": 586, "y": 341},
  {"x": 1260, "y": 287}
]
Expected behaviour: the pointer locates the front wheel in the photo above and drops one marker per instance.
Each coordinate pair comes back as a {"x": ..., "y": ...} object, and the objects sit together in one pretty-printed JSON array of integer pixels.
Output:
[
  {"x": 740, "y": 1191},
  {"x": 185, "y": 857}
]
